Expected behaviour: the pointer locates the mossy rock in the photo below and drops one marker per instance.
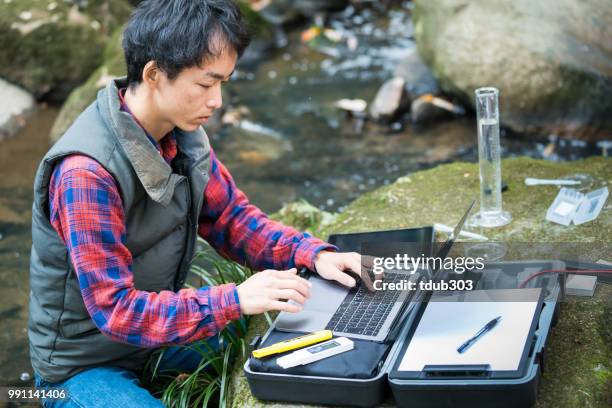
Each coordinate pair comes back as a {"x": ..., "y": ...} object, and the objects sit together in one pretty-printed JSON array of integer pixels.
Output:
[
  {"x": 550, "y": 59},
  {"x": 303, "y": 216},
  {"x": 81, "y": 97},
  {"x": 441, "y": 195},
  {"x": 578, "y": 355},
  {"x": 262, "y": 35},
  {"x": 113, "y": 65},
  {"x": 50, "y": 47}
]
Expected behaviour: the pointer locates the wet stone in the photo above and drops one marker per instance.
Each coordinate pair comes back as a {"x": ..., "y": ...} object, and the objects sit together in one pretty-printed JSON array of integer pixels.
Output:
[
  {"x": 417, "y": 76},
  {"x": 16, "y": 105},
  {"x": 389, "y": 99}
]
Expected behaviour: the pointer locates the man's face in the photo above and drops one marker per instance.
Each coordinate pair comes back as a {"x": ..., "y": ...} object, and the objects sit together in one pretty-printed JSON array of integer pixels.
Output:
[{"x": 190, "y": 99}]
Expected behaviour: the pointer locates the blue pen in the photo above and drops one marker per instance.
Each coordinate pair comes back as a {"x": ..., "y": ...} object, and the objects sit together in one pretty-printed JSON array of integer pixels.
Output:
[{"x": 487, "y": 328}]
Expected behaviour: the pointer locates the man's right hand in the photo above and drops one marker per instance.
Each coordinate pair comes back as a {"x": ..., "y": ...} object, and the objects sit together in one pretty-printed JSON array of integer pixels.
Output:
[{"x": 264, "y": 291}]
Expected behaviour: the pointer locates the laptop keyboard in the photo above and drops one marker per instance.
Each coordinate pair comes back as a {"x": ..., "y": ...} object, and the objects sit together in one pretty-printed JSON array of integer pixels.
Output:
[{"x": 363, "y": 312}]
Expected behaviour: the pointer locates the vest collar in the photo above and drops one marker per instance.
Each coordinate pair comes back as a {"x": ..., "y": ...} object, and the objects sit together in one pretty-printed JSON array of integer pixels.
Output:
[{"x": 152, "y": 170}]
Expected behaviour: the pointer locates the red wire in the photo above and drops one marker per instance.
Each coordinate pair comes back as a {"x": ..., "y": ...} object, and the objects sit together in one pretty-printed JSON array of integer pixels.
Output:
[{"x": 522, "y": 285}]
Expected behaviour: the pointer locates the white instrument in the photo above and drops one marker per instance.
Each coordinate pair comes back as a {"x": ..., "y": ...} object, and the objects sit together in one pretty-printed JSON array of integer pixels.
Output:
[{"x": 315, "y": 353}]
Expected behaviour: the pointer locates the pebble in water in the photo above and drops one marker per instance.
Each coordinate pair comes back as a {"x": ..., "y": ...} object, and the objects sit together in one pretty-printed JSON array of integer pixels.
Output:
[{"x": 25, "y": 15}]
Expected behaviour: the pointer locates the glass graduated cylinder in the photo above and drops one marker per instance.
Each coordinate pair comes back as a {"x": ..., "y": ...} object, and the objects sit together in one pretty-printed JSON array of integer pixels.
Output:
[
  {"x": 491, "y": 213},
  {"x": 490, "y": 169}
]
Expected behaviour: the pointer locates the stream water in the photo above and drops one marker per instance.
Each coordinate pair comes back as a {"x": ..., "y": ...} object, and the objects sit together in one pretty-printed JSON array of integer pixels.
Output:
[{"x": 293, "y": 144}]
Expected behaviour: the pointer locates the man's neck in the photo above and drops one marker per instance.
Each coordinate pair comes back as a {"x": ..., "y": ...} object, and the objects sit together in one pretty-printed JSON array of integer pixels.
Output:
[{"x": 139, "y": 101}]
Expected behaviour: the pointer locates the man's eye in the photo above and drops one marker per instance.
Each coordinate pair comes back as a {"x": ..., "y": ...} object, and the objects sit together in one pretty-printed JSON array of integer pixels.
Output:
[{"x": 205, "y": 86}]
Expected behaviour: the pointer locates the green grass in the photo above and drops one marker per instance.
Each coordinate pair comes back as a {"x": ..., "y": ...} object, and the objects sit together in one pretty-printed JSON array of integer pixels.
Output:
[{"x": 209, "y": 384}]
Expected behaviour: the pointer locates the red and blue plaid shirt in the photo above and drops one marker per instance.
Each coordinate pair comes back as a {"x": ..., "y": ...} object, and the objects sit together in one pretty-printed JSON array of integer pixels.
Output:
[{"x": 87, "y": 212}]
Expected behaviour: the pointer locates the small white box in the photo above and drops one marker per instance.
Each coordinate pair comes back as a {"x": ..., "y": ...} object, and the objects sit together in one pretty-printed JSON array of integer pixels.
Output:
[{"x": 580, "y": 285}]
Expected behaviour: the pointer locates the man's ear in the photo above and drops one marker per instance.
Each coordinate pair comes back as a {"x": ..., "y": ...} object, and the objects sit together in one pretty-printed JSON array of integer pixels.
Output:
[{"x": 150, "y": 74}]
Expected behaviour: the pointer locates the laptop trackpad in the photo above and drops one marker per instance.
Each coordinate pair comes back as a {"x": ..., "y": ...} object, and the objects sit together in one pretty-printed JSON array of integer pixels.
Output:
[{"x": 325, "y": 298}]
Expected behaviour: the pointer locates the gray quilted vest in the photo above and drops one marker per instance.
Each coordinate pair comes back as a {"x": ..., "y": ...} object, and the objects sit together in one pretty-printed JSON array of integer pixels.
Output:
[{"x": 162, "y": 205}]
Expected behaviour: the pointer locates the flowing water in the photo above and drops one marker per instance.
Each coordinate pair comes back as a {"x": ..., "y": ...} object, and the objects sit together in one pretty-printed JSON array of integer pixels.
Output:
[
  {"x": 19, "y": 157},
  {"x": 293, "y": 144}
]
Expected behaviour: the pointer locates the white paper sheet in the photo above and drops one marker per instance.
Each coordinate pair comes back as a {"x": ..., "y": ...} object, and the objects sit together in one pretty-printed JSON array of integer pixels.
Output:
[{"x": 445, "y": 325}]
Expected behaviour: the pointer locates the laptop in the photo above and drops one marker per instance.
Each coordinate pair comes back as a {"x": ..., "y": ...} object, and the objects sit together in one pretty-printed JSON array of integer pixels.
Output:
[{"x": 356, "y": 312}]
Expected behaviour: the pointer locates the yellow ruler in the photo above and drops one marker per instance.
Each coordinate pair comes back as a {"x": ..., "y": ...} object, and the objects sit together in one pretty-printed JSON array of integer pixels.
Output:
[{"x": 295, "y": 343}]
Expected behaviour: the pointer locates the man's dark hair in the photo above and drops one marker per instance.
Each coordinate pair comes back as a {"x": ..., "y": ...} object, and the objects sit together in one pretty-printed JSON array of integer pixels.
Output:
[{"x": 179, "y": 34}]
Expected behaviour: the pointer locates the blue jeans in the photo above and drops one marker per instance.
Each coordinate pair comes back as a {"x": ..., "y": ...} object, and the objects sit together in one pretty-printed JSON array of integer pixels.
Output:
[{"x": 116, "y": 387}]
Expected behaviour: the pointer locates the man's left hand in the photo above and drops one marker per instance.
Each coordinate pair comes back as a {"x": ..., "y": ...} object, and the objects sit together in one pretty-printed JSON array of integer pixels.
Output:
[{"x": 332, "y": 266}]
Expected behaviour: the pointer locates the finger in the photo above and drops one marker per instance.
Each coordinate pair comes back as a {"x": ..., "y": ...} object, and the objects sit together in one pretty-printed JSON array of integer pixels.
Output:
[
  {"x": 367, "y": 261},
  {"x": 301, "y": 285},
  {"x": 367, "y": 265},
  {"x": 293, "y": 276},
  {"x": 367, "y": 281},
  {"x": 284, "y": 306},
  {"x": 289, "y": 294},
  {"x": 340, "y": 276},
  {"x": 281, "y": 274},
  {"x": 353, "y": 263}
]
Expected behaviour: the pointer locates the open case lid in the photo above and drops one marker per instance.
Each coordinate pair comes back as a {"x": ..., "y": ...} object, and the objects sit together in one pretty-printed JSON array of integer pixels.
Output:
[
  {"x": 353, "y": 241},
  {"x": 440, "y": 368}
]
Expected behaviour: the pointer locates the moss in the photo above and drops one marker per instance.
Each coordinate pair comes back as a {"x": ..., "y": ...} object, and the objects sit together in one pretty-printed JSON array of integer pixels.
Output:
[
  {"x": 443, "y": 193},
  {"x": 578, "y": 365},
  {"x": 113, "y": 65},
  {"x": 51, "y": 49},
  {"x": 578, "y": 357},
  {"x": 303, "y": 216},
  {"x": 81, "y": 97},
  {"x": 258, "y": 27}
]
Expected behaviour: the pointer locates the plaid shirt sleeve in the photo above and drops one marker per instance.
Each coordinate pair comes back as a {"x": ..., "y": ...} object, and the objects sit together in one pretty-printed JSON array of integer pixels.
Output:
[
  {"x": 87, "y": 213},
  {"x": 243, "y": 233}
]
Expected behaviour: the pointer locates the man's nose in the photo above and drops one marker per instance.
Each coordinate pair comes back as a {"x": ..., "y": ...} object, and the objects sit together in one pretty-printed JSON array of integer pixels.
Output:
[{"x": 215, "y": 100}]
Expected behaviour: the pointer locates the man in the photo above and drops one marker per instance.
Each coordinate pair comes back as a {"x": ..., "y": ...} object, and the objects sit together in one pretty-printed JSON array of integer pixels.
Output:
[{"x": 118, "y": 202}]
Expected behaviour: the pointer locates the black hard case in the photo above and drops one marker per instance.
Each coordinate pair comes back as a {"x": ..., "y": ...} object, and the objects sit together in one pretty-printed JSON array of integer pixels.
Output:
[
  {"x": 454, "y": 390},
  {"x": 333, "y": 390},
  {"x": 481, "y": 389}
]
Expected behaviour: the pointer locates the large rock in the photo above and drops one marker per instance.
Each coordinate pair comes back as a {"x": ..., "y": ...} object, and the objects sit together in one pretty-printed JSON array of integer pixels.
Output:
[
  {"x": 262, "y": 36},
  {"x": 551, "y": 59},
  {"x": 577, "y": 357},
  {"x": 50, "y": 47},
  {"x": 15, "y": 106},
  {"x": 311, "y": 8},
  {"x": 418, "y": 79},
  {"x": 113, "y": 66},
  {"x": 303, "y": 216}
]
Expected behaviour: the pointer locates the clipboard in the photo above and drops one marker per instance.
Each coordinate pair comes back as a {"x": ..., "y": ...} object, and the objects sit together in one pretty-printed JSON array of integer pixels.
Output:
[{"x": 442, "y": 369}]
